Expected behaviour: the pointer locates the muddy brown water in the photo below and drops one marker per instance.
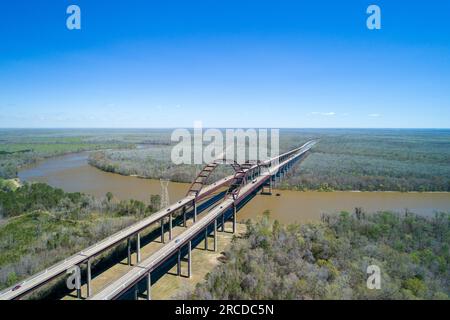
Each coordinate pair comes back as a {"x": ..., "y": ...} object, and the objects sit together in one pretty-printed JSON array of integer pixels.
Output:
[{"x": 72, "y": 173}]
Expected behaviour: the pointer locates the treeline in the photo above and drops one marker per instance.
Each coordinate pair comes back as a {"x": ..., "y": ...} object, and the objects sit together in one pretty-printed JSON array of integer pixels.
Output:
[
  {"x": 11, "y": 162},
  {"x": 326, "y": 172},
  {"x": 20, "y": 148},
  {"x": 41, "y": 225},
  {"x": 366, "y": 160},
  {"x": 375, "y": 160},
  {"x": 329, "y": 260},
  {"x": 344, "y": 159},
  {"x": 42, "y": 197},
  {"x": 152, "y": 162}
]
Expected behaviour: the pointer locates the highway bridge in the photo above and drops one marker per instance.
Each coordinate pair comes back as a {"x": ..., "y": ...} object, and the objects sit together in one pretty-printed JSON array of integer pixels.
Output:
[
  {"x": 247, "y": 180},
  {"x": 206, "y": 225},
  {"x": 85, "y": 256}
]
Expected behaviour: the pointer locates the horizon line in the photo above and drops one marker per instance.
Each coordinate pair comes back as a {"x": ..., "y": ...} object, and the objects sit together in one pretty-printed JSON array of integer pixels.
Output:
[{"x": 169, "y": 128}]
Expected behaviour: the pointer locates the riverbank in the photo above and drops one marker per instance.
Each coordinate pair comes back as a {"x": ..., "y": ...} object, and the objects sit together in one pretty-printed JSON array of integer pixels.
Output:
[
  {"x": 366, "y": 160},
  {"x": 299, "y": 207},
  {"x": 72, "y": 173},
  {"x": 112, "y": 167},
  {"x": 22, "y": 148},
  {"x": 331, "y": 260}
]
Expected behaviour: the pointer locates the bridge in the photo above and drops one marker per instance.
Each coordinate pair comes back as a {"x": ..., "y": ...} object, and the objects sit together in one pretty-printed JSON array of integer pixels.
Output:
[{"x": 248, "y": 179}]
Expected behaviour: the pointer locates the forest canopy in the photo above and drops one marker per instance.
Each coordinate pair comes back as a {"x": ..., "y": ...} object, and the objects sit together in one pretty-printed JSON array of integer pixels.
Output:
[{"x": 329, "y": 260}]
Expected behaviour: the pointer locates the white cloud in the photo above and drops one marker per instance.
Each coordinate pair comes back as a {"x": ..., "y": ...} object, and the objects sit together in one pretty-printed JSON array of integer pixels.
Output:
[
  {"x": 324, "y": 113},
  {"x": 374, "y": 115}
]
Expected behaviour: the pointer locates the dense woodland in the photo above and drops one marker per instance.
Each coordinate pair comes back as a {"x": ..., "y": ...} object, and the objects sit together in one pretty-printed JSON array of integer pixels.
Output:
[
  {"x": 41, "y": 225},
  {"x": 20, "y": 147},
  {"x": 343, "y": 159},
  {"x": 151, "y": 162},
  {"x": 367, "y": 160},
  {"x": 329, "y": 260}
]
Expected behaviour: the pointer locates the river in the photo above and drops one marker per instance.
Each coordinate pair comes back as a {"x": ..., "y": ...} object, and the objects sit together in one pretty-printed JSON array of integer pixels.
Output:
[{"x": 72, "y": 173}]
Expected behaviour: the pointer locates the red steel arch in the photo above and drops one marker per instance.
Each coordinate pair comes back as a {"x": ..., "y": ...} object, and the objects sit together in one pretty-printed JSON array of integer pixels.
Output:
[
  {"x": 241, "y": 174},
  {"x": 202, "y": 177}
]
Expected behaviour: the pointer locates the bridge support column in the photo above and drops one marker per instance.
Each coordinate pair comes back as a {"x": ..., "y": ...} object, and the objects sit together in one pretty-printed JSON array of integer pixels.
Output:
[
  {"x": 179, "y": 263},
  {"x": 138, "y": 248},
  {"x": 136, "y": 291},
  {"x": 88, "y": 281},
  {"x": 149, "y": 286},
  {"x": 195, "y": 210},
  {"x": 234, "y": 218},
  {"x": 184, "y": 217},
  {"x": 79, "y": 289},
  {"x": 223, "y": 222},
  {"x": 170, "y": 226},
  {"x": 206, "y": 239},
  {"x": 215, "y": 234},
  {"x": 189, "y": 259},
  {"x": 129, "y": 251},
  {"x": 162, "y": 230}
]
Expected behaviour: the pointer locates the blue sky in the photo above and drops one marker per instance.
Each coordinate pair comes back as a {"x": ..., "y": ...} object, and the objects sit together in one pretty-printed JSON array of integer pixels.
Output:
[{"x": 164, "y": 63}]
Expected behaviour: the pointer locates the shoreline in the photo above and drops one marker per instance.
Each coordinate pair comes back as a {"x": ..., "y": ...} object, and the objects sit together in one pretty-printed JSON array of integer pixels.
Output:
[
  {"x": 35, "y": 164},
  {"x": 284, "y": 189}
]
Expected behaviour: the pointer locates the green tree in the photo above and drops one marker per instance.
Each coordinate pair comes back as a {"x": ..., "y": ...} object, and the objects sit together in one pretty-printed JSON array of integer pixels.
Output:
[
  {"x": 155, "y": 202},
  {"x": 109, "y": 196}
]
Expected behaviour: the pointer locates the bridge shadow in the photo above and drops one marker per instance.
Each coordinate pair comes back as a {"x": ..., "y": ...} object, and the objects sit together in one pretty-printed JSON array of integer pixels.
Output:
[
  {"x": 196, "y": 243},
  {"x": 108, "y": 259},
  {"x": 120, "y": 251},
  {"x": 116, "y": 255}
]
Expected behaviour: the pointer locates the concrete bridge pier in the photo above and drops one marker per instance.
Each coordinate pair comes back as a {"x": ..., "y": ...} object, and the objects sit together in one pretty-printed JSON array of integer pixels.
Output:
[
  {"x": 189, "y": 259},
  {"x": 266, "y": 185},
  {"x": 149, "y": 286},
  {"x": 223, "y": 222},
  {"x": 195, "y": 210},
  {"x": 136, "y": 291},
  {"x": 184, "y": 216},
  {"x": 206, "y": 239},
  {"x": 162, "y": 230},
  {"x": 129, "y": 251},
  {"x": 170, "y": 226},
  {"x": 234, "y": 218},
  {"x": 215, "y": 234},
  {"x": 179, "y": 263},
  {"x": 88, "y": 282},
  {"x": 138, "y": 248}
]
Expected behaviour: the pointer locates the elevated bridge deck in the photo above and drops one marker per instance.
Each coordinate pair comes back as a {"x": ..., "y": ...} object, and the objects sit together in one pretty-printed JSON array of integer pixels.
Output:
[
  {"x": 191, "y": 200},
  {"x": 144, "y": 269}
]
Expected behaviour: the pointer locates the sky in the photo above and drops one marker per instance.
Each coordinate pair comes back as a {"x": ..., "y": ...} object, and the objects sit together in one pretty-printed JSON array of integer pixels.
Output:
[{"x": 227, "y": 63}]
